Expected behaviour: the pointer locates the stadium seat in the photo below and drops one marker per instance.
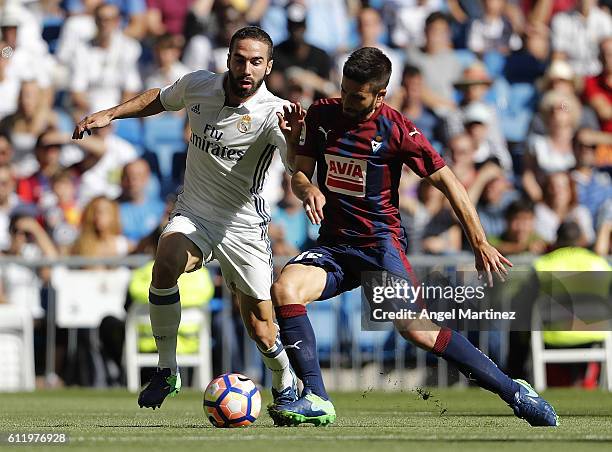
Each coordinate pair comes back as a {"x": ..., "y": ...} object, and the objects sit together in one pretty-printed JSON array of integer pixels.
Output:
[
  {"x": 134, "y": 360},
  {"x": 17, "y": 349},
  {"x": 323, "y": 320},
  {"x": 580, "y": 347},
  {"x": 466, "y": 57},
  {"x": 130, "y": 130},
  {"x": 163, "y": 136}
]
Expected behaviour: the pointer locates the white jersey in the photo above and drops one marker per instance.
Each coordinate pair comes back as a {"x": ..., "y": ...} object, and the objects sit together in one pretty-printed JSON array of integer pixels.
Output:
[{"x": 229, "y": 153}]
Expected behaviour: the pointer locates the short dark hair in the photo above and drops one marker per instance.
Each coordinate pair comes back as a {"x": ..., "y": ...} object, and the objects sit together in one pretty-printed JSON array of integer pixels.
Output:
[
  {"x": 436, "y": 16},
  {"x": 368, "y": 65},
  {"x": 411, "y": 71},
  {"x": 519, "y": 206},
  {"x": 255, "y": 33},
  {"x": 568, "y": 234}
]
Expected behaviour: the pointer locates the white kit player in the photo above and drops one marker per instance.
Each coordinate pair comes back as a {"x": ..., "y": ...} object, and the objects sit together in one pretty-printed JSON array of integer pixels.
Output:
[{"x": 236, "y": 126}]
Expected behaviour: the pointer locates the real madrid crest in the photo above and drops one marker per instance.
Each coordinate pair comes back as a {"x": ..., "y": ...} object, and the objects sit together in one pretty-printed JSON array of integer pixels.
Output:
[{"x": 244, "y": 125}]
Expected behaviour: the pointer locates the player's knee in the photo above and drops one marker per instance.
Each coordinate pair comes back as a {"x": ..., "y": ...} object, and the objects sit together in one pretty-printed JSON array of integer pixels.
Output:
[
  {"x": 284, "y": 293},
  {"x": 423, "y": 339},
  {"x": 165, "y": 272}
]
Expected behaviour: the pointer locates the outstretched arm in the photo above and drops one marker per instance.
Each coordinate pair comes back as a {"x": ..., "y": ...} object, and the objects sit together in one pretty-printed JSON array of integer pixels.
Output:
[
  {"x": 290, "y": 122},
  {"x": 488, "y": 259},
  {"x": 145, "y": 104}
]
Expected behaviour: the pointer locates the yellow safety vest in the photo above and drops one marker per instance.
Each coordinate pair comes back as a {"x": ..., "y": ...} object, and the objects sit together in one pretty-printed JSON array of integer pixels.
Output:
[
  {"x": 196, "y": 289},
  {"x": 573, "y": 259}
]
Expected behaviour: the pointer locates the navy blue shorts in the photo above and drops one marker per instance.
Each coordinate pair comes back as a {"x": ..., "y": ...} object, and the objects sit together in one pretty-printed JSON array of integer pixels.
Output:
[{"x": 345, "y": 264}]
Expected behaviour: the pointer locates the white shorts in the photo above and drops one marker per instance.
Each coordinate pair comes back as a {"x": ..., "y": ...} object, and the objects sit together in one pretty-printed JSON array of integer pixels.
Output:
[{"x": 244, "y": 256}]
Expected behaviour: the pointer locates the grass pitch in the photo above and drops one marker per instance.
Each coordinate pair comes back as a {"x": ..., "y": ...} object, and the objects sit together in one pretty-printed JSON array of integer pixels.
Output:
[{"x": 370, "y": 421}]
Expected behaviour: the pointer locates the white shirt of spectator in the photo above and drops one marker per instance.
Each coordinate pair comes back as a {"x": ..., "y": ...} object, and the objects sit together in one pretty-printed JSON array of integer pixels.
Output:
[
  {"x": 103, "y": 178},
  {"x": 199, "y": 54},
  {"x": 578, "y": 38},
  {"x": 484, "y": 33},
  {"x": 21, "y": 284},
  {"x": 229, "y": 152},
  {"x": 103, "y": 74},
  {"x": 547, "y": 158},
  {"x": 76, "y": 30},
  {"x": 155, "y": 78},
  {"x": 5, "y": 219}
]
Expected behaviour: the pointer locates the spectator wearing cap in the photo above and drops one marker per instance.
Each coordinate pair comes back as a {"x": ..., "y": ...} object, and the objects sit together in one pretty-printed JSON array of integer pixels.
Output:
[
  {"x": 139, "y": 212},
  {"x": 370, "y": 28},
  {"x": 561, "y": 78},
  {"x": 26, "y": 124},
  {"x": 306, "y": 64},
  {"x": 598, "y": 89},
  {"x": 594, "y": 186},
  {"x": 477, "y": 121},
  {"x": 553, "y": 151},
  {"x": 105, "y": 70},
  {"x": 167, "y": 67},
  {"x": 493, "y": 31},
  {"x": 576, "y": 35},
  {"x": 438, "y": 63},
  {"x": 519, "y": 235},
  {"x": 474, "y": 86}
]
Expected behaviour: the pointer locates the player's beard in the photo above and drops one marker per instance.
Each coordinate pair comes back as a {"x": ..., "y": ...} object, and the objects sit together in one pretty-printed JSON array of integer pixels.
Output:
[
  {"x": 239, "y": 90},
  {"x": 360, "y": 114}
]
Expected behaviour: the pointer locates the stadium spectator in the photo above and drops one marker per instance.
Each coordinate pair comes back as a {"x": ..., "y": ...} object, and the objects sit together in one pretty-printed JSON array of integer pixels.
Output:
[
  {"x": 8, "y": 201},
  {"x": 552, "y": 152},
  {"x": 560, "y": 78},
  {"x": 474, "y": 86},
  {"x": 438, "y": 63},
  {"x": 100, "y": 234},
  {"x": 493, "y": 31},
  {"x": 167, "y": 67},
  {"x": 594, "y": 185},
  {"x": 477, "y": 123},
  {"x": 308, "y": 65},
  {"x": 78, "y": 29},
  {"x": 519, "y": 235},
  {"x": 6, "y": 151},
  {"x": 409, "y": 100},
  {"x": 133, "y": 14},
  {"x": 31, "y": 118},
  {"x": 140, "y": 213},
  {"x": 63, "y": 218},
  {"x": 529, "y": 63},
  {"x": 167, "y": 16},
  {"x": 576, "y": 35},
  {"x": 100, "y": 170},
  {"x": 492, "y": 193},
  {"x": 560, "y": 204},
  {"x": 104, "y": 71},
  {"x": 29, "y": 58},
  {"x": 461, "y": 150},
  {"x": 598, "y": 89},
  {"x": 406, "y": 20},
  {"x": 370, "y": 29},
  {"x": 9, "y": 85}
]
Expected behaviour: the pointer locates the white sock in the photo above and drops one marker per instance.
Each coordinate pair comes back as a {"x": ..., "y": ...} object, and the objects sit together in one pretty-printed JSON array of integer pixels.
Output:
[
  {"x": 275, "y": 358},
  {"x": 165, "y": 314}
]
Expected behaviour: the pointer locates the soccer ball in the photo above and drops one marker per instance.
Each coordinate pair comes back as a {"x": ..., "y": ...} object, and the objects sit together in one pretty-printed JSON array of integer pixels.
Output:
[{"x": 232, "y": 400}]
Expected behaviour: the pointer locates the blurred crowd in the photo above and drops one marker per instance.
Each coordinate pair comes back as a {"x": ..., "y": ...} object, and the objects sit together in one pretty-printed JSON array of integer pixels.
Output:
[{"x": 516, "y": 95}]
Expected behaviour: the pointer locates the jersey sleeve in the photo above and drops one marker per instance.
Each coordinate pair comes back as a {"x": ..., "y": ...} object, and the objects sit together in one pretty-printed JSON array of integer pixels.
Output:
[
  {"x": 417, "y": 152},
  {"x": 308, "y": 141},
  {"x": 173, "y": 96}
]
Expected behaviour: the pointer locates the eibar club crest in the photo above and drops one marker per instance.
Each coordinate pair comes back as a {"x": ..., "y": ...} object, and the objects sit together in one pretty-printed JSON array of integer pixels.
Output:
[
  {"x": 377, "y": 143},
  {"x": 244, "y": 124}
]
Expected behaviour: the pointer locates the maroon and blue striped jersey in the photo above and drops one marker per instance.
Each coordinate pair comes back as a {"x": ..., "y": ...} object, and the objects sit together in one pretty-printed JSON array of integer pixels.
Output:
[{"x": 359, "y": 165}]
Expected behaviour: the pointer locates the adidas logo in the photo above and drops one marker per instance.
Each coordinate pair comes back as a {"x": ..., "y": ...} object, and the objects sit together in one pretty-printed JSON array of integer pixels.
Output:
[{"x": 196, "y": 109}]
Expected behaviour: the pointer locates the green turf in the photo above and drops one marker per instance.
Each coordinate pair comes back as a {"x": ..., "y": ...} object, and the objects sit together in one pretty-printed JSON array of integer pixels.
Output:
[{"x": 368, "y": 421}]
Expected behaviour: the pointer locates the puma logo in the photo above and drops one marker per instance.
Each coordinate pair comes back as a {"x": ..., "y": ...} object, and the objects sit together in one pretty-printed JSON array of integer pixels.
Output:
[
  {"x": 294, "y": 345},
  {"x": 324, "y": 132},
  {"x": 414, "y": 132}
]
